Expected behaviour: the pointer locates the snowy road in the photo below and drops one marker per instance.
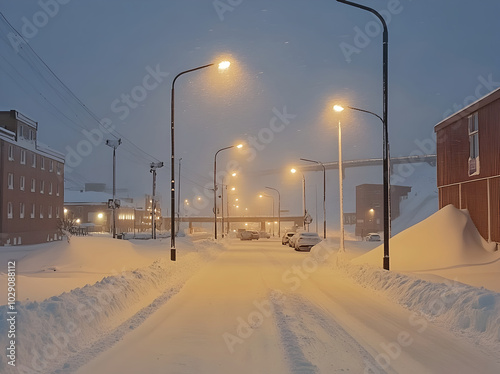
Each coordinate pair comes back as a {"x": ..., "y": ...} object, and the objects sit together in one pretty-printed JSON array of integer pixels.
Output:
[{"x": 261, "y": 307}]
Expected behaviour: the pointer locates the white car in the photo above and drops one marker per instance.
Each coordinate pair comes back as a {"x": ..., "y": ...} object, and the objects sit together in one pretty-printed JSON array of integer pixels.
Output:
[
  {"x": 306, "y": 240},
  {"x": 291, "y": 241},
  {"x": 286, "y": 238},
  {"x": 372, "y": 237}
]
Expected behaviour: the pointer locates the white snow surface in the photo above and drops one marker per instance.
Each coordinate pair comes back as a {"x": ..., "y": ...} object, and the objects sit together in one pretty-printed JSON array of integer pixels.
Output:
[{"x": 98, "y": 305}]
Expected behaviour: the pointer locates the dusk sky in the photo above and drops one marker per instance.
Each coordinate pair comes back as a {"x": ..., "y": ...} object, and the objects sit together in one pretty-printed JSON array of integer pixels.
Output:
[{"x": 291, "y": 61}]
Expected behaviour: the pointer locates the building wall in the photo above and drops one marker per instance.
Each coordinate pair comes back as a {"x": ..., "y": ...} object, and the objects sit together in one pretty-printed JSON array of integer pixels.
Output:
[
  {"x": 47, "y": 197},
  {"x": 479, "y": 193}
]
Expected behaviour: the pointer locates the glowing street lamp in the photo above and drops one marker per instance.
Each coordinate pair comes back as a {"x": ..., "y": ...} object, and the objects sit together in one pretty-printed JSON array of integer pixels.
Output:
[
  {"x": 339, "y": 109},
  {"x": 222, "y": 66},
  {"x": 239, "y": 146},
  {"x": 293, "y": 171}
]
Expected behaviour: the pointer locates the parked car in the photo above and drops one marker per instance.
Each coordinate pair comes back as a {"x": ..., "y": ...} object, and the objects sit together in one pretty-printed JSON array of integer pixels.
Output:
[
  {"x": 264, "y": 234},
  {"x": 306, "y": 240},
  {"x": 286, "y": 237},
  {"x": 291, "y": 242},
  {"x": 372, "y": 237},
  {"x": 249, "y": 235}
]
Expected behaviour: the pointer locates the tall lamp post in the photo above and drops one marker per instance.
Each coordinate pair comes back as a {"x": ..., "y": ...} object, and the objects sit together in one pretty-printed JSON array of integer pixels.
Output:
[
  {"x": 114, "y": 144},
  {"x": 223, "y": 65},
  {"x": 387, "y": 191},
  {"x": 279, "y": 210},
  {"x": 153, "y": 167},
  {"x": 293, "y": 171},
  {"x": 324, "y": 192},
  {"x": 271, "y": 197},
  {"x": 339, "y": 109},
  {"x": 215, "y": 184}
]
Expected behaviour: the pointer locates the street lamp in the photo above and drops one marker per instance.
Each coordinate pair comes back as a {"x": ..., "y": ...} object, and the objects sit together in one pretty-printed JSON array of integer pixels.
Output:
[
  {"x": 224, "y": 187},
  {"x": 271, "y": 197},
  {"x": 385, "y": 73},
  {"x": 339, "y": 109},
  {"x": 222, "y": 66},
  {"x": 386, "y": 187},
  {"x": 293, "y": 171},
  {"x": 279, "y": 210},
  {"x": 114, "y": 144},
  {"x": 215, "y": 184},
  {"x": 324, "y": 193}
]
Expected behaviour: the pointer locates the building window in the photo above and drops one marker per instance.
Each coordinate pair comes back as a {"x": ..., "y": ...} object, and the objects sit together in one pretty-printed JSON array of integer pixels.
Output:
[
  {"x": 58, "y": 169},
  {"x": 57, "y": 190},
  {"x": 50, "y": 188},
  {"x": 32, "y": 135},
  {"x": 41, "y": 211},
  {"x": 23, "y": 157},
  {"x": 42, "y": 186},
  {"x": 11, "y": 152},
  {"x": 10, "y": 181},
  {"x": 49, "y": 214},
  {"x": 42, "y": 163},
  {"x": 21, "y": 210},
  {"x": 21, "y": 131},
  {"x": 57, "y": 212},
  {"x": 33, "y": 160},
  {"x": 473, "y": 144},
  {"x": 32, "y": 215},
  {"x": 10, "y": 213},
  {"x": 22, "y": 181},
  {"x": 51, "y": 166},
  {"x": 33, "y": 185}
]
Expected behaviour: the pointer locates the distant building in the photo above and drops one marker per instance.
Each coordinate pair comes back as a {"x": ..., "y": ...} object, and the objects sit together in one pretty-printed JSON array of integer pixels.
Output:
[
  {"x": 468, "y": 163},
  {"x": 89, "y": 209},
  {"x": 32, "y": 183},
  {"x": 370, "y": 206}
]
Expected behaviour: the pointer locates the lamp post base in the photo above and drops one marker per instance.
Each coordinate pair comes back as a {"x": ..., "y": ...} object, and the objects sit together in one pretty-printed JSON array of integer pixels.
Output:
[
  {"x": 172, "y": 254},
  {"x": 386, "y": 262}
]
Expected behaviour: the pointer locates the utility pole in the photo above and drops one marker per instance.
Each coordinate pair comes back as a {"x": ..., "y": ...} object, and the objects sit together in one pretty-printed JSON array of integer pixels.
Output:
[
  {"x": 114, "y": 143},
  {"x": 154, "y": 166}
]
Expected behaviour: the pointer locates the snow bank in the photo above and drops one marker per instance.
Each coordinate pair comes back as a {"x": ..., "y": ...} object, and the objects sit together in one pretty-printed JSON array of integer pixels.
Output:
[
  {"x": 50, "y": 331},
  {"x": 468, "y": 310},
  {"x": 445, "y": 245},
  {"x": 446, "y": 239}
]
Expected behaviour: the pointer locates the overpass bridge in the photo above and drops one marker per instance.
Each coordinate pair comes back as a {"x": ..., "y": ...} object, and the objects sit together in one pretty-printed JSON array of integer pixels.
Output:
[{"x": 296, "y": 220}]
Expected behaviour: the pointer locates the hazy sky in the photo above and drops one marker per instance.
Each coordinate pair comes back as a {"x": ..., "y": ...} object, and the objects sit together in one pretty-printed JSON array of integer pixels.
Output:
[{"x": 290, "y": 61}]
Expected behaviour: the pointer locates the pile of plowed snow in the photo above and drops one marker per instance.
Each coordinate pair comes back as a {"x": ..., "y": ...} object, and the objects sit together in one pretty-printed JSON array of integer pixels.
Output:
[
  {"x": 440, "y": 269},
  {"x": 51, "y": 330}
]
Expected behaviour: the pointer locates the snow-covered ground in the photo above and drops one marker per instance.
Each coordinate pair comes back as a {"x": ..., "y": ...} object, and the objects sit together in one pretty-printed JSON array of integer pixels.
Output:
[{"x": 98, "y": 305}]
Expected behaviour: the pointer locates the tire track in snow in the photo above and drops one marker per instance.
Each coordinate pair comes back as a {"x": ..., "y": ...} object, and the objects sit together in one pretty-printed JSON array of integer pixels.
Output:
[{"x": 309, "y": 334}]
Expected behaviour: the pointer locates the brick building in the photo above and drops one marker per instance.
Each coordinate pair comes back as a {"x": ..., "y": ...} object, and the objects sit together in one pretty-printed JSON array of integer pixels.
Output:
[{"x": 32, "y": 183}]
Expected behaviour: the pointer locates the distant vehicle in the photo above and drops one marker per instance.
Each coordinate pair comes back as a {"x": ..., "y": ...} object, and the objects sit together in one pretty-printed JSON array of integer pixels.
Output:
[
  {"x": 372, "y": 237},
  {"x": 249, "y": 235},
  {"x": 306, "y": 240},
  {"x": 264, "y": 234},
  {"x": 286, "y": 237}
]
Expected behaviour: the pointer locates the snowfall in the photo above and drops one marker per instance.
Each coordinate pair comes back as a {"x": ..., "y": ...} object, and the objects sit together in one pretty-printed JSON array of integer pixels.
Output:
[{"x": 102, "y": 305}]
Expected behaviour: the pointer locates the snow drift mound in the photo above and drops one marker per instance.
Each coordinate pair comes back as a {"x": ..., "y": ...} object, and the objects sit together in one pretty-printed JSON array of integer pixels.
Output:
[{"x": 446, "y": 239}]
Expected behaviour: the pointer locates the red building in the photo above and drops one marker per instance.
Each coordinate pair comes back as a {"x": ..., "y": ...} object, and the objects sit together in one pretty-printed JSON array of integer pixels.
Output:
[
  {"x": 468, "y": 163},
  {"x": 32, "y": 183}
]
